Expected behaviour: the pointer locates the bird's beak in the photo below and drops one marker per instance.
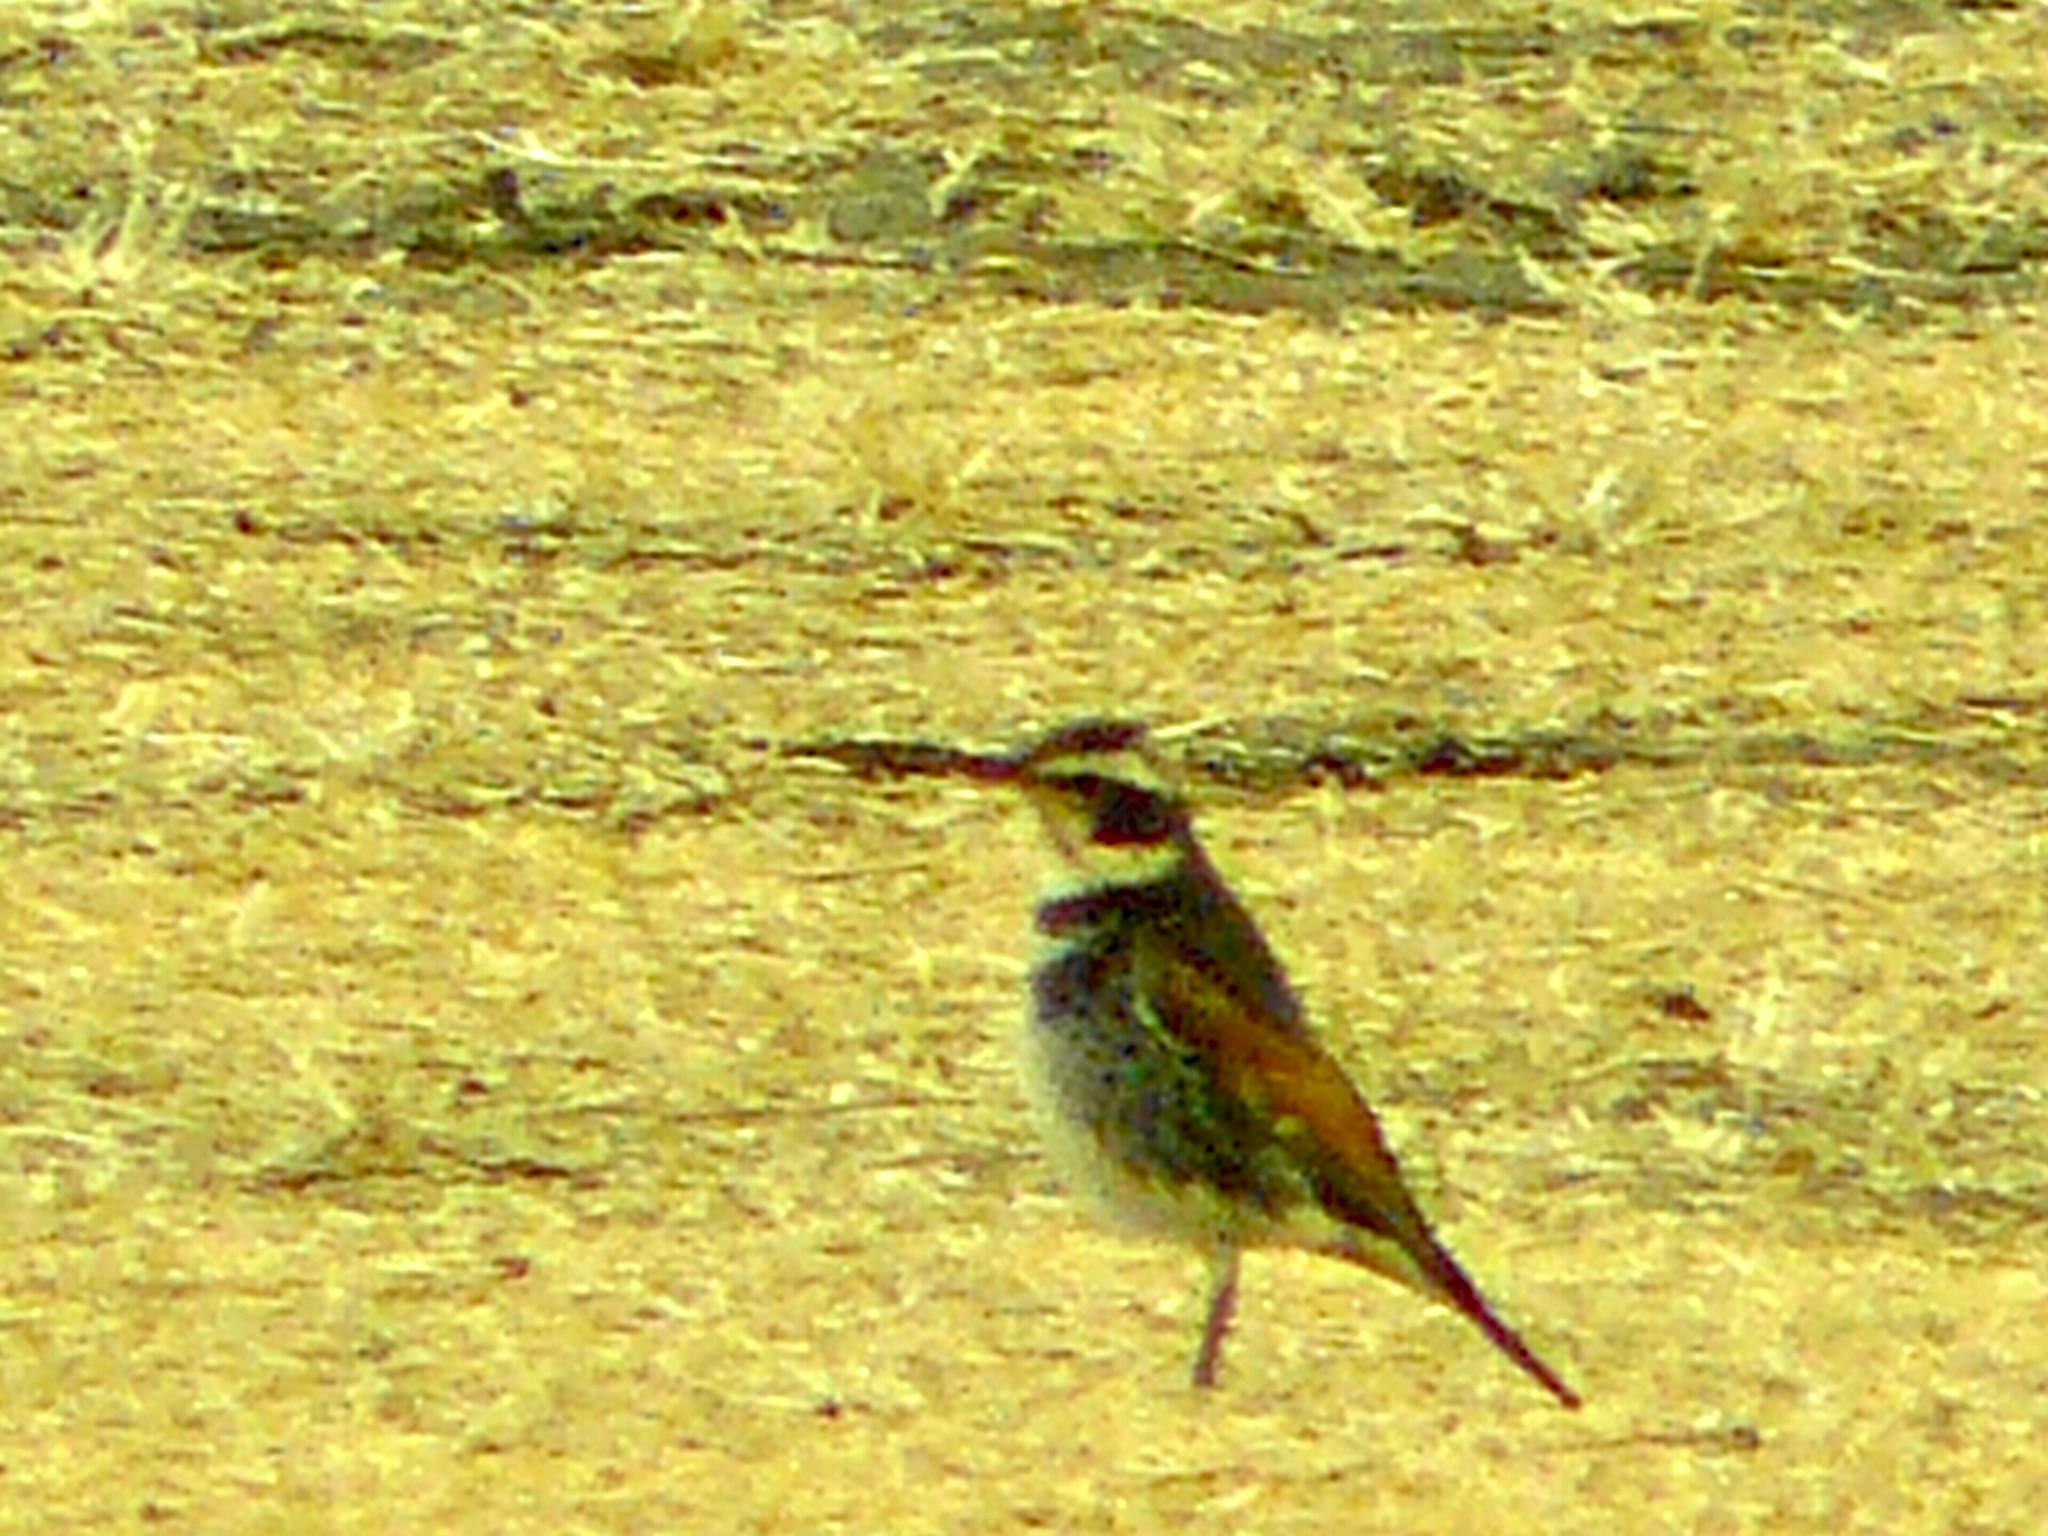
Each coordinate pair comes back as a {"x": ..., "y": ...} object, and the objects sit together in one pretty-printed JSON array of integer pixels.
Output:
[{"x": 990, "y": 769}]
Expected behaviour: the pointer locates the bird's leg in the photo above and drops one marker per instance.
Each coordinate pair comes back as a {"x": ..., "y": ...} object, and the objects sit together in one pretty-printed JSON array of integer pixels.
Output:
[{"x": 1222, "y": 1303}]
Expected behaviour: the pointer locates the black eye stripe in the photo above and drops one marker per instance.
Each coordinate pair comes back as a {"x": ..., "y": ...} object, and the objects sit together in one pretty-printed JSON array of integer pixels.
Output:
[{"x": 1126, "y": 816}]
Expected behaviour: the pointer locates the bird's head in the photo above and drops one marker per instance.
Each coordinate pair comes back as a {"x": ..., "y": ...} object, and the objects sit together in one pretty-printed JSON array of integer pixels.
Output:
[{"x": 1105, "y": 800}]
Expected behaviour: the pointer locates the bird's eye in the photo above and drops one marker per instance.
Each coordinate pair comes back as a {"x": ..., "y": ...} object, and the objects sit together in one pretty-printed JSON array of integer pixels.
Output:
[{"x": 1126, "y": 816}]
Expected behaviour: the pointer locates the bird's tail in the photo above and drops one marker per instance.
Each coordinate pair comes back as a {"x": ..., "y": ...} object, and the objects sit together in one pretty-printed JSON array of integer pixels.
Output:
[{"x": 1424, "y": 1263}]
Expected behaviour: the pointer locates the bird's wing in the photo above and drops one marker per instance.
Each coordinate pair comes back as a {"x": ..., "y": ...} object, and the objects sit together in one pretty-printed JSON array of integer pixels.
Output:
[
  {"x": 1272, "y": 1062},
  {"x": 1332, "y": 1135}
]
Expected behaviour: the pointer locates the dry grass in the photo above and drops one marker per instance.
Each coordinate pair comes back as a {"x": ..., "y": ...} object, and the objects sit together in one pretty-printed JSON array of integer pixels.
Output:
[{"x": 460, "y": 1068}]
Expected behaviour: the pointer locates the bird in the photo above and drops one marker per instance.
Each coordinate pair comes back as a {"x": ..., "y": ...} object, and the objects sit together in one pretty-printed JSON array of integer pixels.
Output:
[{"x": 1172, "y": 1063}]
